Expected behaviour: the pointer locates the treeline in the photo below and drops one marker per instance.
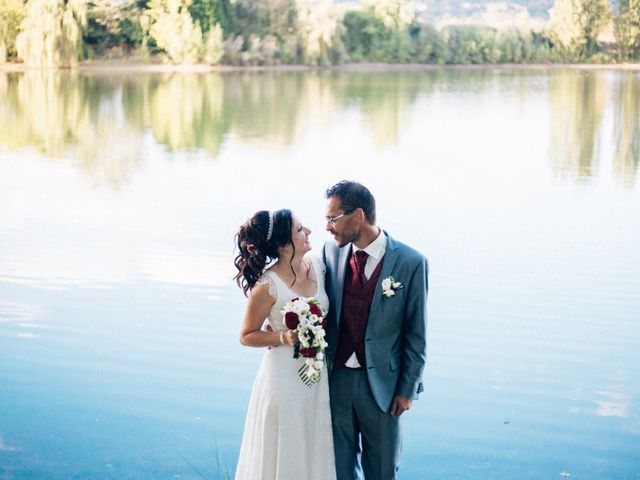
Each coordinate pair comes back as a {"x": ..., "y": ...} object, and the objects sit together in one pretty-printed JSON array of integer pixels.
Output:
[{"x": 270, "y": 32}]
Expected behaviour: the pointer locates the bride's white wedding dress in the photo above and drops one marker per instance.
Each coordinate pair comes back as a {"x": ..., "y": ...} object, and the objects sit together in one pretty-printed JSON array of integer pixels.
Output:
[{"x": 287, "y": 433}]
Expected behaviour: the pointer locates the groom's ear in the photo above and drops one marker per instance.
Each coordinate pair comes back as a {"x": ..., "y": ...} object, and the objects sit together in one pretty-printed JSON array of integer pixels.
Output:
[{"x": 359, "y": 215}]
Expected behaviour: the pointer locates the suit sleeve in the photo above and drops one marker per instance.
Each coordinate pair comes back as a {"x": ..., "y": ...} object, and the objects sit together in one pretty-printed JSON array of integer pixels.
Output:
[{"x": 414, "y": 333}]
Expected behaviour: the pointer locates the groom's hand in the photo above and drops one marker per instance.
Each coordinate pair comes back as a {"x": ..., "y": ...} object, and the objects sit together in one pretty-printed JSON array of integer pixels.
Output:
[{"x": 400, "y": 405}]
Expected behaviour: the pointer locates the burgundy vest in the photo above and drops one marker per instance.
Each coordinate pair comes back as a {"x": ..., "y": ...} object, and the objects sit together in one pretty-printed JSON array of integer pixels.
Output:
[{"x": 356, "y": 305}]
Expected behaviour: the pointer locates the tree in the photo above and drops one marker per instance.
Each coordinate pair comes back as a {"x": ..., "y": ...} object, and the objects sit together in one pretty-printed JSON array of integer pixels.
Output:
[
  {"x": 471, "y": 44},
  {"x": 576, "y": 24},
  {"x": 174, "y": 31},
  {"x": 267, "y": 17},
  {"x": 211, "y": 12},
  {"x": 429, "y": 45},
  {"x": 269, "y": 32},
  {"x": 213, "y": 48},
  {"x": 114, "y": 25},
  {"x": 365, "y": 36},
  {"x": 627, "y": 28},
  {"x": 11, "y": 15},
  {"x": 395, "y": 14},
  {"x": 320, "y": 27},
  {"x": 52, "y": 32}
]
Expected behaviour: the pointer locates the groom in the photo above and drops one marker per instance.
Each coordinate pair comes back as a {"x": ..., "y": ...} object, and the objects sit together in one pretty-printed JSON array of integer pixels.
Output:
[{"x": 377, "y": 287}]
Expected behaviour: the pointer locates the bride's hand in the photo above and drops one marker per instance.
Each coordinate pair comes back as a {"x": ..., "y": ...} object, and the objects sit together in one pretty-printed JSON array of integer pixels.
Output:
[{"x": 291, "y": 337}]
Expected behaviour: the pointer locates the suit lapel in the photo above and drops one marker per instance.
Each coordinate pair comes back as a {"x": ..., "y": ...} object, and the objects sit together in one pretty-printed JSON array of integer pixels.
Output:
[{"x": 391, "y": 255}]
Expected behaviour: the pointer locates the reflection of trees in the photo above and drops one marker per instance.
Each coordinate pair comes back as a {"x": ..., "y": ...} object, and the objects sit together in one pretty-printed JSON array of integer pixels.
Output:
[
  {"x": 43, "y": 109},
  {"x": 194, "y": 111},
  {"x": 65, "y": 114},
  {"x": 577, "y": 103},
  {"x": 182, "y": 110},
  {"x": 100, "y": 120},
  {"x": 267, "y": 106},
  {"x": 384, "y": 98},
  {"x": 627, "y": 129}
]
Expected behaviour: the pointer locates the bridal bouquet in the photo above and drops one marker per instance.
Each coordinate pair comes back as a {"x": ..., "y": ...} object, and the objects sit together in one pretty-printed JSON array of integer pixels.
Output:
[{"x": 305, "y": 316}]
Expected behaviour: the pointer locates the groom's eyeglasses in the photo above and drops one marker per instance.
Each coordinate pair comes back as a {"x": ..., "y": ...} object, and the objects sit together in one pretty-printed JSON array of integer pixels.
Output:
[{"x": 334, "y": 220}]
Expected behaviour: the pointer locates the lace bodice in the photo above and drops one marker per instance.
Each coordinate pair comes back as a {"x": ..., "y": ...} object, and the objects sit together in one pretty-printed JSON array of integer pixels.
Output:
[{"x": 282, "y": 293}]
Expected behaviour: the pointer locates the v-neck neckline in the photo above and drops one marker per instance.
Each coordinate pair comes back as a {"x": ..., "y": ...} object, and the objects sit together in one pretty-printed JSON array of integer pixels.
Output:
[{"x": 315, "y": 274}]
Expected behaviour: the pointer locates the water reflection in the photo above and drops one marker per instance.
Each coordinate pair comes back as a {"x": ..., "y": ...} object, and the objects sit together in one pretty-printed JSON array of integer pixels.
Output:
[
  {"x": 613, "y": 404},
  {"x": 7, "y": 448},
  {"x": 627, "y": 129},
  {"x": 182, "y": 111},
  {"x": 577, "y": 103},
  {"x": 119, "y": 318},
  {"x": 614, "y": 399},
  {"x": 384, "y": 100},
  {"x": 68, "y": 115},
  {"x": 46, "y": 110},
  {"x": 101, "y": 121},
  {"x": 16, "y": 313}
]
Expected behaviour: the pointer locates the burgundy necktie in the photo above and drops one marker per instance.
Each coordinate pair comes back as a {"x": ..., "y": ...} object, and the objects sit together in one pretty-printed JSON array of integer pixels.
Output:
[{"x": 361, "y": 262}]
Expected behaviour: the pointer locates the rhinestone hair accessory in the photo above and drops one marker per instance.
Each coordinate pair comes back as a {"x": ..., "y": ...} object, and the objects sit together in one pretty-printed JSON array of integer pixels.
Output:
[{"x": 270, "y": 231}]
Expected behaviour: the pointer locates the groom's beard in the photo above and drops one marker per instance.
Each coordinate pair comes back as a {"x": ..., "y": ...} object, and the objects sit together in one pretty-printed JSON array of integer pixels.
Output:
[{"x": 346, "y": 238}]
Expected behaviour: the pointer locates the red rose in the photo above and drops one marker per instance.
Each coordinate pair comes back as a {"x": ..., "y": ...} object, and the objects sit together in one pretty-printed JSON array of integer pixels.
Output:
[
  {"x": 315, "y": 309},
  {"x": 291, "y": 320},
  {"x": 308, "y": 352},
  {"x": 324, "y": 323}
]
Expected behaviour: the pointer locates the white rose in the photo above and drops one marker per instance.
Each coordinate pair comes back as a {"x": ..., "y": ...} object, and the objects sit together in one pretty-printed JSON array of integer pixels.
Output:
[{"x": 386, "y": 284}]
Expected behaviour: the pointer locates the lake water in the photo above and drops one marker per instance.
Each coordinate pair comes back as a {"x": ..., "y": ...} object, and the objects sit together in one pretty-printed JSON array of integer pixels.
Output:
[{"x": 120, "y": 195}]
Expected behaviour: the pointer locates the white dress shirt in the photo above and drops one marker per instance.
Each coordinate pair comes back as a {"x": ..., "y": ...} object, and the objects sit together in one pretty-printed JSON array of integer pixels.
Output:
[{"x": 376, "y": 251}]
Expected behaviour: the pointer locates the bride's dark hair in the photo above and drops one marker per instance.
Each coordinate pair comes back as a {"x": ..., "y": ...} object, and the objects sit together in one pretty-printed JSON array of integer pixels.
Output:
[{"x": 255, "y": 251}]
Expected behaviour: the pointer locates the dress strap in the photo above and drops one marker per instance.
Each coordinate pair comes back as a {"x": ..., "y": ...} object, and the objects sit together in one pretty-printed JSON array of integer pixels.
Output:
[{"x": 267, "y": 279}]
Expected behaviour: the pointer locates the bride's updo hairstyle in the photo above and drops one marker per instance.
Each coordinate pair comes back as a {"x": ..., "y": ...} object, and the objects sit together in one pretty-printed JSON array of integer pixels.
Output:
[{"x": 258, "y": 242}]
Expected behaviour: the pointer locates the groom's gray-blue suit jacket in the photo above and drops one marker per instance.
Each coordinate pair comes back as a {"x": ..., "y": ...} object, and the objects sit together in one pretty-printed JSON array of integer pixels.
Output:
[{"x": 396, "y": 334}]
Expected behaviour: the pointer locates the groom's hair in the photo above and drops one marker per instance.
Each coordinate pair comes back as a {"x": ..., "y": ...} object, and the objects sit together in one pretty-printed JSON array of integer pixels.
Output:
[{"x": 354, "y": 195}]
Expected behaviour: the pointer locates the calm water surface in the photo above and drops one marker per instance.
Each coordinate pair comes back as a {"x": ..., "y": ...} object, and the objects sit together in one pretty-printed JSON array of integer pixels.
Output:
[{"x": 120, "y": 195}]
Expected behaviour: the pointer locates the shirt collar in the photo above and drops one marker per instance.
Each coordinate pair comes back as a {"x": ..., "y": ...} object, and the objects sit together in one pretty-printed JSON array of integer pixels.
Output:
[{"x": 376, "y": 248}]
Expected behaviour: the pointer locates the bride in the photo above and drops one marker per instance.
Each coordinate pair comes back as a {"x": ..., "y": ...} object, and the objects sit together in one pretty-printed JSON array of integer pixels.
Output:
[{"x": 287, "y": 432}]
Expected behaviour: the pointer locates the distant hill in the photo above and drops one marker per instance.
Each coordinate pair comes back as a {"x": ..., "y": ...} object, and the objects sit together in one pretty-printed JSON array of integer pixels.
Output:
[
  {"x": 439, "y": 11},
  {"x": 436, "y": 9}
]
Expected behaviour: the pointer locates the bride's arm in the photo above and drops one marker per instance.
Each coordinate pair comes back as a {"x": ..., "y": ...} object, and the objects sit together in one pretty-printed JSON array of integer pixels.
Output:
[{"x": 258, "y": 308}]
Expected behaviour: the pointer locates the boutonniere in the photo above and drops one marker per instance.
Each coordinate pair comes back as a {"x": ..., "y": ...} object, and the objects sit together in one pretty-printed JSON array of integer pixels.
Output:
[{"x": 390, "y": 287}]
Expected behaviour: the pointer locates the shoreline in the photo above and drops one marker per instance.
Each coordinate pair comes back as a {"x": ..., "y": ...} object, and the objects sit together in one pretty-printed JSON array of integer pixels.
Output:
[{"x": 143, "y": 67}]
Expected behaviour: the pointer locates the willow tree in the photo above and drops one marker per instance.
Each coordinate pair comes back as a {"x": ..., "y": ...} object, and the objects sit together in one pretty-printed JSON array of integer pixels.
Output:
[
  {"x": 576, "y": 24},
  {"x": 320, "y": 30},
  {"x": 11, "y": 15},
  {"x": 51, "y": 33}
]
